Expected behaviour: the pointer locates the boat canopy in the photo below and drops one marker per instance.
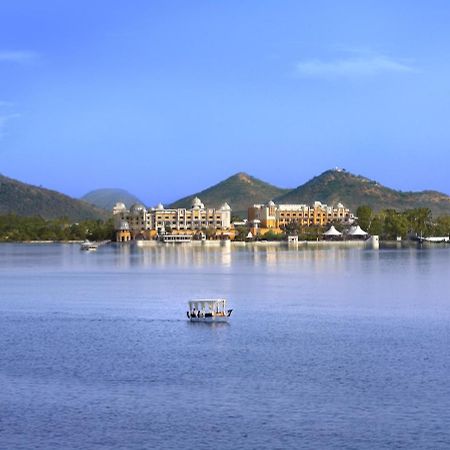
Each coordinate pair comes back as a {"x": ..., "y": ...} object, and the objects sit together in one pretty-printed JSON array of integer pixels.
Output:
[{"x": 208, "y": 304}]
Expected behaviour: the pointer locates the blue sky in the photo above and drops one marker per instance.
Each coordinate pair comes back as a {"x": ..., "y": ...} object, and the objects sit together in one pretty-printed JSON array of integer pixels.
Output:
[{"x": 165, "y": 98}]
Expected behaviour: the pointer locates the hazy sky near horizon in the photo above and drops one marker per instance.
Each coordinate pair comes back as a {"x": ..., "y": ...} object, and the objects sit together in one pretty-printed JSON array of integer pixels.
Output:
[{"x": 165, "y": 98}]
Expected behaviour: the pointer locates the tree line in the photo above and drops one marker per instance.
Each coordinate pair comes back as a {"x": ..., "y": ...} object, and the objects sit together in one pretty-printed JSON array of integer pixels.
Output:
[
  {"x": 16, "y": 228},
  {"x": 389, "y": 223}
]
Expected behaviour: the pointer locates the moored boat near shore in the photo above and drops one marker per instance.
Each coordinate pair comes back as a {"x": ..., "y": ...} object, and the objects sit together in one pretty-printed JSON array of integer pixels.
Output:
[
  {"x": 176, "y": 238},
  {"x": 89, "y": 246},
  {"x": 434, "y": 239},
  {"x": 92, "y": 246}
]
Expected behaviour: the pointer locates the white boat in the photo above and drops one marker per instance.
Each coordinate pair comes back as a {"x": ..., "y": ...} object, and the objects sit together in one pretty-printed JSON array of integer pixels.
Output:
[
  {"x": 433, "y": 239},
  {"x": 436, "y": 239},
  {"x": 89, "y": 246},
  {"x": 176, "y": 238},
  {"x": 208, "y": 310}
]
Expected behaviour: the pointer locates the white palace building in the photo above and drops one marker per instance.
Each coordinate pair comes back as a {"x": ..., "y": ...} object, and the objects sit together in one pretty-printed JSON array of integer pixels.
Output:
[{"x": 139, "y": 222}]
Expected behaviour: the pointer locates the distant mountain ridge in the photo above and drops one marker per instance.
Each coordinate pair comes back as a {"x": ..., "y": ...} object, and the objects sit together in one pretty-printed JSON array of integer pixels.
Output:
[
  {"x": 352, "y": 190},
  {"x": 27, "y": 200},
  {"x": 240, "y": 191},
  {"x": 332, "y": 186},
  {"x": 106, "y": 198}
]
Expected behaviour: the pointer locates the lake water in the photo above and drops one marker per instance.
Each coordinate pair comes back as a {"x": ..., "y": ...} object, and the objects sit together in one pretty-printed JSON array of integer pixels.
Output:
[{"x": 330, "y": 348}]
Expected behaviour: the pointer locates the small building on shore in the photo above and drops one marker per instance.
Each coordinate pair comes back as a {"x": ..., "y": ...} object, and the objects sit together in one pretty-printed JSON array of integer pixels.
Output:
[{"x": 123, "y": 233}]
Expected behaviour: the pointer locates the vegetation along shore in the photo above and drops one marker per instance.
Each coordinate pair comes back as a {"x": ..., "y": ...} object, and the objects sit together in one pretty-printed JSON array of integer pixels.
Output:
[{"x": 19, "y": 229}]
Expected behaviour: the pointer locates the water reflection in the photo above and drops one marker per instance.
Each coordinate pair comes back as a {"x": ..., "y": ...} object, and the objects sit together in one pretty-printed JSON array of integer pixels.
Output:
[
  {"x": 170, "y": 275},
  {"x": 208, "y": 324},
  {"x": 315, "y": 259}
]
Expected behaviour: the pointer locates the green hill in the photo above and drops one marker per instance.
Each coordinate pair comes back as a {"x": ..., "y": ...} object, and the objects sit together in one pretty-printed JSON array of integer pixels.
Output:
[
  {"x": 335, "y": 186},
  {"x": 240, "y": 191},
  {"x": 27, "y": 200},
  {"x": 108, "y": 197}
]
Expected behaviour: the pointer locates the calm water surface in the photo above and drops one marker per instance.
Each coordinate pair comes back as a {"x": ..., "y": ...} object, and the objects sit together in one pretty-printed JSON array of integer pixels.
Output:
[{"x": 327, "y": 348}]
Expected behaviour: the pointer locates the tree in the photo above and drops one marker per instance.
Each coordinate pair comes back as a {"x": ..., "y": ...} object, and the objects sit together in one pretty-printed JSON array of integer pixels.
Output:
[
  {"x": 241, "y": 233},
  {"x": 210, "y": 232},
  {"x": 442, "y": 227},
  {"x": 395, "y": 224},
  {"x": 420, "y": 220},
  {"x": 272, "y": 236},
  {"x": 311, "y": 232},
  {"x": 365, "y": 216},
  {"x": 291, "y": 227},
  {"x": 376, "y": 226}
]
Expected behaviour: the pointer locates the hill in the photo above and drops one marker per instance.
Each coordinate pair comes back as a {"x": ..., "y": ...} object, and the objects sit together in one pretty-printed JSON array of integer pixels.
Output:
[
  {"x": 335, "y": 186},
  {"x": 27, "y": 200},
  {"x": 239, "y": 191},
  {"x": 108, "y": 197}
]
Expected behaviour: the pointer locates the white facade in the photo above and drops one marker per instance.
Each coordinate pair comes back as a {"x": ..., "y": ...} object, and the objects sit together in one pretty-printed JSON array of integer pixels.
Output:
[{"x": 162, "y": 219}]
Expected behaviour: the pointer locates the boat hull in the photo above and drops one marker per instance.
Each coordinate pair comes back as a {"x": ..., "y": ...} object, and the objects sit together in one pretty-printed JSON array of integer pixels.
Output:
[
  {"x": 209, "y": 318},
  {"x": 89, "y": 248}
]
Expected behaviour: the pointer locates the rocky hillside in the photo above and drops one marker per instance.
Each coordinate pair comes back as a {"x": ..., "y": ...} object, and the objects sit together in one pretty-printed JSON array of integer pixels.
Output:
[
  {"x": 27, "y": 200},
  {"x": 239, "y": 191},
  {"x": 335, "y": 186}
]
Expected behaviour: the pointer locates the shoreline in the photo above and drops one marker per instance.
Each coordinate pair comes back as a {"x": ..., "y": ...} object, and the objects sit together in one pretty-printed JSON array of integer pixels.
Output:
[
  {"x": 242, "y": 244},
  {"x": 43, "y": 242},
  {"x": 371, "y": 243}
]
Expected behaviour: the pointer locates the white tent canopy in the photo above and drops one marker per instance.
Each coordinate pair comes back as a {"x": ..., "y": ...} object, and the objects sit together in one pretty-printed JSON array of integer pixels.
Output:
[
  {"x": 332, "y": 232},
  {"x": 357, "y": 231}
]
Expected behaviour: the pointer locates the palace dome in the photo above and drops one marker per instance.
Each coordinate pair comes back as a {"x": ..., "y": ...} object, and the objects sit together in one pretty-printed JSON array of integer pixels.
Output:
[
  {"x": 119, "y": 206},
  {"x": 197, "y": 203},
  {"x": 137, "y": 208},
  {"x": 124, "y": 226}
]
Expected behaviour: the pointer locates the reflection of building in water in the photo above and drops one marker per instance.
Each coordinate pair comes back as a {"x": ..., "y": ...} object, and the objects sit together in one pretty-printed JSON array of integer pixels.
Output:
[
  {"x": 188, "y": 256},
  {"x": 141, "y": 223},
  {"x": 273, "y": 217},
  {"x": 224, "y": 254}
]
